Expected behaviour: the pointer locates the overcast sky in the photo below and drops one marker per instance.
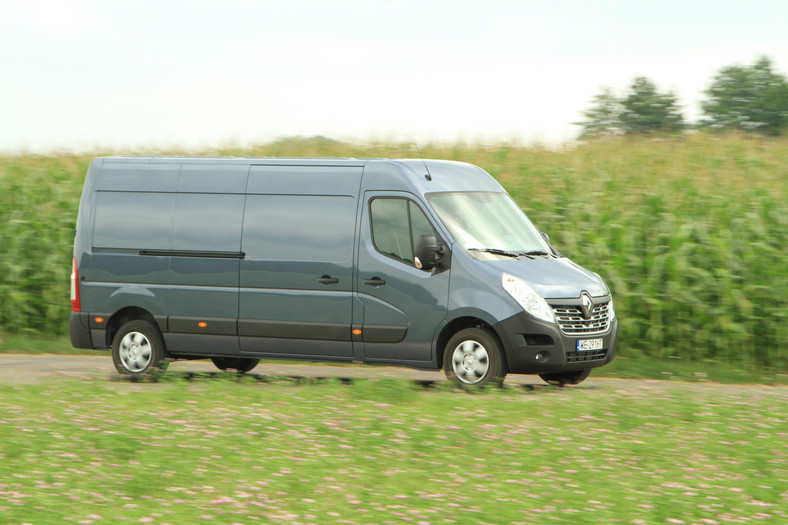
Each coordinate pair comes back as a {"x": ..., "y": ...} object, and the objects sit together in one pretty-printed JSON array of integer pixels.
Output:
[{"x": 84, "y": 75}]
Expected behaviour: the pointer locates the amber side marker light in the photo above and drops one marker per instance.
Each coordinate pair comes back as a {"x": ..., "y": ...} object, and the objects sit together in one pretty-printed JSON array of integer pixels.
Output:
[
  {"x": 202, "y": 324},
  {"x": 356, "y": 332},
  {"x": 99, "y": 320}
]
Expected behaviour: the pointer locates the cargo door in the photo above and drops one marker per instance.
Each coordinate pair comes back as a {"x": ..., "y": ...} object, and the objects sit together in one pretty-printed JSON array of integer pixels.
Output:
[
  {"x": 201, "y": 288},
  {"x": 296, "y": 279}
]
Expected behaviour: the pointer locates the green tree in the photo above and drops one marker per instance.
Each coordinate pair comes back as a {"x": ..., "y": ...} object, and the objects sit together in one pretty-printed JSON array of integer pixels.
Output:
[
  {"x": 603, "y": 118},
  {"x": 646, "y": 110},
  {"x": 643, "y": 110},
  {"x": 747, "y": 98}
]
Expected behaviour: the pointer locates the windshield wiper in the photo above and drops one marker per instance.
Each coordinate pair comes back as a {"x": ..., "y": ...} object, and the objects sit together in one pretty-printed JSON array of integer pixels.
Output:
[
  {"x": 495, "y": 251},
  {"x": 534, "y": 252}
]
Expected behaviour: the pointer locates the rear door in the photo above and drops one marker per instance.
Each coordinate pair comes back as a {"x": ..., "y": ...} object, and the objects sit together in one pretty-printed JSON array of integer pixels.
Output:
[
  {"x": 296, "y": 284},
  {"x": 403, "y": 306}
]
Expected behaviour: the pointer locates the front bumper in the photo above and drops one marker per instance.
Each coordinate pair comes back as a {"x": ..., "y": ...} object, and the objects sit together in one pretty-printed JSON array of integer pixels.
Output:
[{"x": 537, "y": 347}]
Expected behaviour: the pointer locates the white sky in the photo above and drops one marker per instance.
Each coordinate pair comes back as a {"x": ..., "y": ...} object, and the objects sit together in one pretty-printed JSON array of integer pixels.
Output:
[{"x": 84, "y": 74}]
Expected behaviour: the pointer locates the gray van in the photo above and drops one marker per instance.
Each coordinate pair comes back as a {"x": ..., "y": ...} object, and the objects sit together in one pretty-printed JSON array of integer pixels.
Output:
[{"x": 426, "y": 264}]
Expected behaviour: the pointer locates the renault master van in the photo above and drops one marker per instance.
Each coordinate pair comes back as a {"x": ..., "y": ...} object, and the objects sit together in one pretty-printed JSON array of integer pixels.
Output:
[{"x": 426, "y": 264}]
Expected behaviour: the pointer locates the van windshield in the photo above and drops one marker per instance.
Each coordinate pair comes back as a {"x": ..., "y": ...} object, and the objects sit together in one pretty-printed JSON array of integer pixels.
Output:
[{"x": 489, "y": 222}]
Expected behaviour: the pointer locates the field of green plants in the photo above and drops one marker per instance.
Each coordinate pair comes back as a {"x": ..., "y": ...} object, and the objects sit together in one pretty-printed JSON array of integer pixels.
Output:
[
  {"x": 237, "y": 450},
  {"x": 690, "y": 233}
]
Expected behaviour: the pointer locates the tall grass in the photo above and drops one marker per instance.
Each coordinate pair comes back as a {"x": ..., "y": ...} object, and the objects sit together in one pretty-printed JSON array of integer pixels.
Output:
[
  {"x": 690, "y": 234},
  {"x": 39, "y": 197}
]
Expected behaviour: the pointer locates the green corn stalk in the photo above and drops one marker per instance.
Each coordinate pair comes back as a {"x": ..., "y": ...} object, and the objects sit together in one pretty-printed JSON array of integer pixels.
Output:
[{"x": 690, "y": 234}]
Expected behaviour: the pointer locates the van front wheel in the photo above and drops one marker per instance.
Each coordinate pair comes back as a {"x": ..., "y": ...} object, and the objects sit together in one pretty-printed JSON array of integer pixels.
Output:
[
  {"x": 473, "y": 358},
  {"x": 138, "y": 349}
]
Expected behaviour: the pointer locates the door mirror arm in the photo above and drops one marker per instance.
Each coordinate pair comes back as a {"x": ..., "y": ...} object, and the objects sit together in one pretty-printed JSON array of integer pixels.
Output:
[{"x": 430, "y": 253}]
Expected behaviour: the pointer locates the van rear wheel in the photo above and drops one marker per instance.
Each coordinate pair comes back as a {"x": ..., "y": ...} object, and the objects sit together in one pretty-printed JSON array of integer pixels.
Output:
[
  {"x": 566, "y": 378},
  {"x": 473, "y": 358},
  {"x": 241, "y": 364},
  {"x": 138, "y": 349}
]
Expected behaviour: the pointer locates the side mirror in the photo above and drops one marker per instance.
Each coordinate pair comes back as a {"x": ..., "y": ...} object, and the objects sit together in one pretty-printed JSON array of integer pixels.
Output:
[{"x": 428, "y": 253}]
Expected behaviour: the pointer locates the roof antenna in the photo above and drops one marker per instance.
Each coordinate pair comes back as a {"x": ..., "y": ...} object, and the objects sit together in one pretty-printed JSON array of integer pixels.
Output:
[{"x": 427, "y": 176}]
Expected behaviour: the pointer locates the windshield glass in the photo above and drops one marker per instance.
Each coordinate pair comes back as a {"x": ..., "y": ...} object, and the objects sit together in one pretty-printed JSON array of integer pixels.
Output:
[{"x": 487, "y": 221}]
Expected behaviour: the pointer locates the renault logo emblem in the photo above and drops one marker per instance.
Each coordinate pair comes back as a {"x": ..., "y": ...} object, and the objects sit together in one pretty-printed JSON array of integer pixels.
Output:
[{"x": 587, "y": 305}]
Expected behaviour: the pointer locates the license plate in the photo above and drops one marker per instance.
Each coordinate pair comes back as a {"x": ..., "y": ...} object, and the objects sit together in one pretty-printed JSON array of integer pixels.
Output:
[{"x": 585, "y": 345}]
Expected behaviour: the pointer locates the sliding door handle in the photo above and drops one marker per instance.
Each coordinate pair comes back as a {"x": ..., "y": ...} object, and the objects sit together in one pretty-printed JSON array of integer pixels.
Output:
[
  {"x": 327, "y": 279},
  {"x": 375, "y": 281}
]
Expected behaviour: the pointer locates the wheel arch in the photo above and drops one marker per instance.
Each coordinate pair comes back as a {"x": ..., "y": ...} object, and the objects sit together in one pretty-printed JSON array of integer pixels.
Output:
[
  {"x": 461, "y": 323},
  {"x": 123, "y": 316}
]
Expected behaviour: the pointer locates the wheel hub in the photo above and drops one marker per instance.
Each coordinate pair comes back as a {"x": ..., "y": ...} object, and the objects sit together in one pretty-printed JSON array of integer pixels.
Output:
[
  {"x": 470, "y": 361},
  {"x": 135, "y": 352}
]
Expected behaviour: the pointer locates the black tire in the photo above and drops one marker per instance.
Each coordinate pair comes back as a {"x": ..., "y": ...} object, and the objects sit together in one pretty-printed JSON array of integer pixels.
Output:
[
  {"x": 241, "y": 364},
  {"x": 138, "y": 349},
  {"x": 473, "y": 358},
  {"x": 566, "y": 378}
]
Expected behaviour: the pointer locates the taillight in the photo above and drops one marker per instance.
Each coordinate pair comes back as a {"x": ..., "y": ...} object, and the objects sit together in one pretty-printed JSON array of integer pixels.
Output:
[{"x": 75, "y": 307}]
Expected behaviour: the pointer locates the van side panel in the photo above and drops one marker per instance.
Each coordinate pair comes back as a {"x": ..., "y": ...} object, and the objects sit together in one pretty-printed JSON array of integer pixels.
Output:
[
  {"x": 296, "y": 279},
  {"x": 304, "y": 180},
  {"x": 201, "y": 288},
  {"x": 202, "y": 282},
  {"x": 172, "y": 253},
  {"x": 126, "y": 222},
  {"x": 133, "y": 220},
  {"x": 213, "y": 178},
  {"x": 206, "y": 222},
  {"x": 138, "y": 175}
]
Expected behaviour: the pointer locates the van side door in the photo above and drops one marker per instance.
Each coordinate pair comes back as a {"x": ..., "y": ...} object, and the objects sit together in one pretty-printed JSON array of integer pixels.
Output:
[
  {"x": 296, "y": 289},
  {"x": 403, "y": 306}
]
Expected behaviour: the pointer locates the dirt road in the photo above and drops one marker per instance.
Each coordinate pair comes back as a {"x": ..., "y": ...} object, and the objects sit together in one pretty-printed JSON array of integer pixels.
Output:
[
  {"x": 31, "y": 369},
  {"x": 20, "y": 368}
]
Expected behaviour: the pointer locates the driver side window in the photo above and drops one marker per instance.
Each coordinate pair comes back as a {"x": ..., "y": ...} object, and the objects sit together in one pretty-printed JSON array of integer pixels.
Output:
[{"x": 397, "y": 225}]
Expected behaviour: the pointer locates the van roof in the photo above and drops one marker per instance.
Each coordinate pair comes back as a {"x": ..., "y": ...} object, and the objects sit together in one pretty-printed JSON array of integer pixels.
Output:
[
  {"x": 422, "y": 175},
  {"x": 333, "y": 161}
]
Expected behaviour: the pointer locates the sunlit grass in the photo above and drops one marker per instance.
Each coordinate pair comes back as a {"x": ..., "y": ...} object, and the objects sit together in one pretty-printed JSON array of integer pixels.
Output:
[{"x": 243, "y": 451}]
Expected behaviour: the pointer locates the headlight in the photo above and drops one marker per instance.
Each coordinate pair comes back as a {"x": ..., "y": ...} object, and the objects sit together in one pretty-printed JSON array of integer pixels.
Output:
[
  {"x": 531, "y": 300},
  {"x": 611, "y": 313}
]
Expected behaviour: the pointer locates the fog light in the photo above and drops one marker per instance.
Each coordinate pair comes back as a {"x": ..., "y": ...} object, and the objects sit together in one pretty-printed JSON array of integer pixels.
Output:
[{"x": 542, "y": 357}]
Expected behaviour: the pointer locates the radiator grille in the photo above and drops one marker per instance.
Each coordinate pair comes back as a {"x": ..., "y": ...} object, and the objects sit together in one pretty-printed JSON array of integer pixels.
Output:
[
  {"x": 574, "y": 357},
  {"x": 572, "y": 321}
]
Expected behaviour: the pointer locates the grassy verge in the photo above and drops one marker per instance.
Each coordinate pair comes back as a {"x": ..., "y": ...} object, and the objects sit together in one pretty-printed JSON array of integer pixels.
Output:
[
  {"x": 234, "y": 451},
  {"x": 41, "y": 344},
  {"x": 678, "y": 370}
]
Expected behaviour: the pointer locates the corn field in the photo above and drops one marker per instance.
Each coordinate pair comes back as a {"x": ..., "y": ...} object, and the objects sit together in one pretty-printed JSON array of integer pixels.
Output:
[{"x": 690, "y": 234}]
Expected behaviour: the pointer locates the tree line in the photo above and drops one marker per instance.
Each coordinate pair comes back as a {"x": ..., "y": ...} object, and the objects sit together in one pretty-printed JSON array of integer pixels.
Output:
[{"x": 750, "y": 99}]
